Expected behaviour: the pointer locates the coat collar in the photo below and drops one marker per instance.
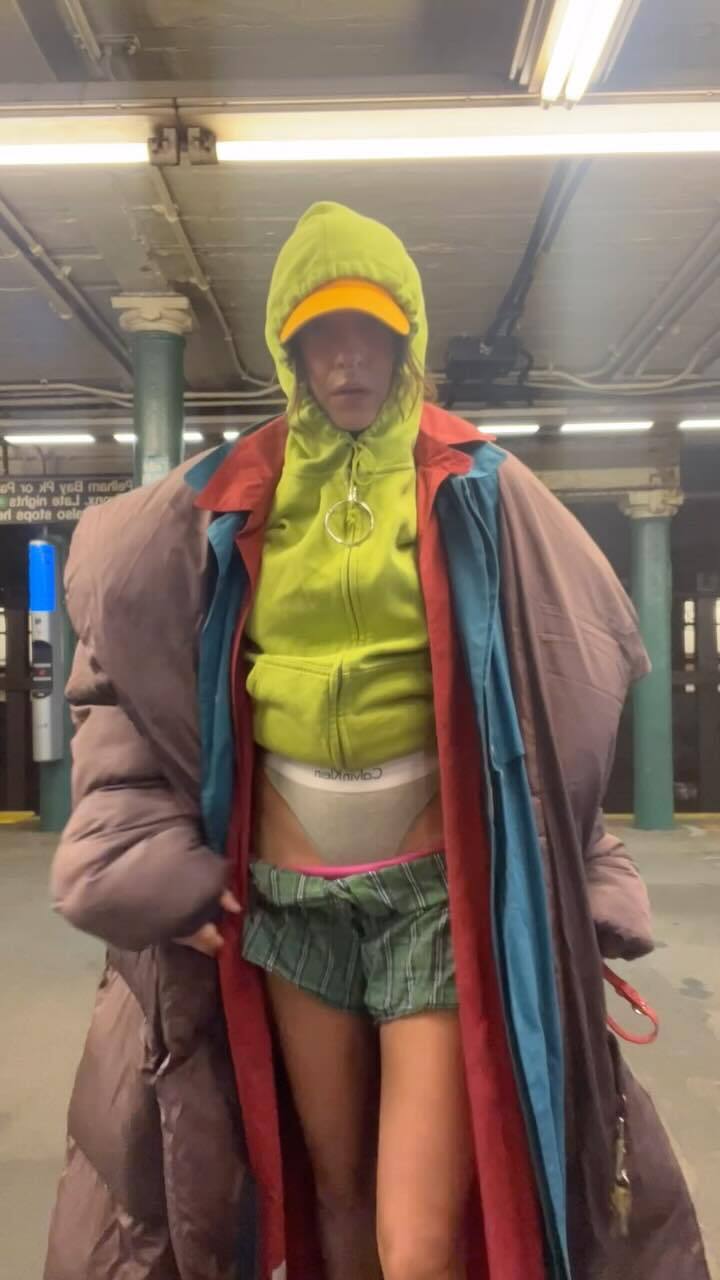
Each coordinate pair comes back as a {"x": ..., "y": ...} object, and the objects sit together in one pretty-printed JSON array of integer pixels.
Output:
[{"x": 247, "y": 478}]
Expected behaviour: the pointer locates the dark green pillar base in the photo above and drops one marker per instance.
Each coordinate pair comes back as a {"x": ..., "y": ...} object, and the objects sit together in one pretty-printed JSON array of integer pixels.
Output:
[
  {"x": 158, "y": 403},
  {"x": 652, "y": 697},
  {"x": 54, "y": 784}
]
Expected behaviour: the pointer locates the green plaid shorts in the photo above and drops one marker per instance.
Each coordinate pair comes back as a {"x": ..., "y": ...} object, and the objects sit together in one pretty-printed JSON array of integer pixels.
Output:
[{"x": 376, "y": 942}]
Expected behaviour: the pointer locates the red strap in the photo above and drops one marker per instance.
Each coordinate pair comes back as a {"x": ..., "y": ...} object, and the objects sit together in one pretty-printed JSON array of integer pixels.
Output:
[{"x": 638, "y": 1005}]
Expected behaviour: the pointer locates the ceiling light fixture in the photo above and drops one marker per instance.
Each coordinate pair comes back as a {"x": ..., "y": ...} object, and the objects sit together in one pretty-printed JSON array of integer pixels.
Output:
[
  {"x": 383, "y": 133},
  {"x": 602, "y": 428},
  {"x": 598, "y": 28},
  {"x": 67, "y": 154},
  {"x": 129, "y": 437},
  {"x": 699, "y": 424},
  {"x": 509, "y": 429},
  {"x": 564, "y": 46},
  {"x": 468, "y": 133},
  {"x": 579, "y": 30},
  {"x": 230, "y": 436},
  {"x": 34, "y": 438}
]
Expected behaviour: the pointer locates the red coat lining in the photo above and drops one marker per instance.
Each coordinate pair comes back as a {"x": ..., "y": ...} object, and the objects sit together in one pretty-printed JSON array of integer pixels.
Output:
[{"x": 504, "y": 1229}]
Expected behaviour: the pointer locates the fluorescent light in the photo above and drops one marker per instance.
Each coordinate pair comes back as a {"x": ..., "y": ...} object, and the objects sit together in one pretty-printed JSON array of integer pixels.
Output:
[
  {"x": 230, "y": 435},
  {"x": 43, "y": 154},
  {"x": 509, "y": 429},
  {"x": 129, "y": 437},
  {"x": 47, "y": 438},
  {"x": 602, "y": 428},
  {"x": 699, "y": 424},
  {"x": 599, "y": 25},
  {"x": 566, "y": 39},
  {"x": 485, "y": 147},
  {"x": 380, "y": 133},
  {"x": 579, "y": 33},
  {"x": 438, "y": 133}
]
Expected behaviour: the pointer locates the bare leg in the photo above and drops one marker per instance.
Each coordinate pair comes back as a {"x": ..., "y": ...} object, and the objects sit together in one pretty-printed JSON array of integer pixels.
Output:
[
  {"x": 331, "y": 1060},
  {"x": 425, "y": 1157}
]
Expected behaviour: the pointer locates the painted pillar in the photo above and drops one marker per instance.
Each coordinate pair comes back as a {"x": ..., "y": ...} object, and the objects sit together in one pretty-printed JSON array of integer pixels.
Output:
[
  {"x": 650, "y": 513},
  {"x": 157, "y": 324},
  {"x": 54, "y": 777}
]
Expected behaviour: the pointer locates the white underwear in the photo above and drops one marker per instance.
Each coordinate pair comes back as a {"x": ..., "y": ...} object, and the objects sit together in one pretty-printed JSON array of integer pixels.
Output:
[{"x": 356, "y": 815}]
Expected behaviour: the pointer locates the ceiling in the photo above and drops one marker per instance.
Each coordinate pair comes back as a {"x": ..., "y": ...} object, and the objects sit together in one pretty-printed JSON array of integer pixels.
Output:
[
  {"x": 184, "y": 40},
  {"x": 628, "y": 286}
]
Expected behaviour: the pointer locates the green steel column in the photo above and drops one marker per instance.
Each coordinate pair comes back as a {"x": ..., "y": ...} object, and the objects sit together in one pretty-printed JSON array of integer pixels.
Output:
[
  {"x": 54, "y": 778},
  {"x": 651, "y": 515},
  {"x": 157, "y": 403},
  {"x": 157, "y": 324}
]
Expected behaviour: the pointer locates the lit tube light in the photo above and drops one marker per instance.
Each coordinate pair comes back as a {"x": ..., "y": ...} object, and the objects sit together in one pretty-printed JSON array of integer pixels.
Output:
[
  {"x": 129, "y": 437},
  {"x": 578, "y": 44},
  {"x": 509, "y": 429},
  {"x": 34, "y": 438},
  {"x": 382, "y": 133},
  {"x": 479, "y": 147},
  {"x": 599, "y": 25},
  {"x": 439, "y": 133},
  {"x": 699, "y": 424},
  {"x": 603, "y": 428},
  {"x": 45, "y": 154},
  {"x": 230, "y": 436}
]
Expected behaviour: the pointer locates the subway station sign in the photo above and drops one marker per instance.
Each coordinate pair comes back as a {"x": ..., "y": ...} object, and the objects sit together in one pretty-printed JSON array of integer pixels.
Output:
[{"x": 55, "y": 499}]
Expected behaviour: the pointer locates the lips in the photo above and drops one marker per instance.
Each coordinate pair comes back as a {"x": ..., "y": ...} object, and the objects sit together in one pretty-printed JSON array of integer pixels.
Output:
[{"x": 351, "y": 391}]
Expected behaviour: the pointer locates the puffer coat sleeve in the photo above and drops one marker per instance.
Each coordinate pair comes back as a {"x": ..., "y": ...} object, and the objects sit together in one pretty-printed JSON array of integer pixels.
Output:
[
  {"x": 619, "y": 901},
  {"x": 131, "y": 867}
]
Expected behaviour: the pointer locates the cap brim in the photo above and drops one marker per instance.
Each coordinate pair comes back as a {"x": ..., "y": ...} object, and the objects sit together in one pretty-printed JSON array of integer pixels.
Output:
[{"x": 347, "y": 295}]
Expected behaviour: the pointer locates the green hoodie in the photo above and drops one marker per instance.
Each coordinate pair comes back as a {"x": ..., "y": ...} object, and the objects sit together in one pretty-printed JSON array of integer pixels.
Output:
[{"x": 337, "y": 639}]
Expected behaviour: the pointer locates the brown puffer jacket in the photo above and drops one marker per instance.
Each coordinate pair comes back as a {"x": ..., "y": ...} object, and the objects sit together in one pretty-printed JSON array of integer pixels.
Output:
[
  {"x": 154, "y": 1104},
  {"x": 156, "y": 1185}
]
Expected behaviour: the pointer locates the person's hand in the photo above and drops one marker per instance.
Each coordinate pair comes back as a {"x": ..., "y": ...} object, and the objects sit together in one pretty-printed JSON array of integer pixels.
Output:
[{"x": 208, "y": 940}]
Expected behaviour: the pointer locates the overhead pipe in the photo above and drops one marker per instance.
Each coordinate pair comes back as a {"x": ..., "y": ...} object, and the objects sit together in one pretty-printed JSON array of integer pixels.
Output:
[
  {"x": 173, "y": 215},
  {"x": 694, "y": 277},
  {"x": 562, "y": 188},
  {"x": 55, "y": 282},
  {"x": 83, "y": 35}
]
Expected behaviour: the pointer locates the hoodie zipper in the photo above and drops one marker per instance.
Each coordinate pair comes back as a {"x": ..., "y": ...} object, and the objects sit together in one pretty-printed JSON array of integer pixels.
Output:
[
  {"x": 352, "y": 613},
  {"x": 348, "y": 582}
]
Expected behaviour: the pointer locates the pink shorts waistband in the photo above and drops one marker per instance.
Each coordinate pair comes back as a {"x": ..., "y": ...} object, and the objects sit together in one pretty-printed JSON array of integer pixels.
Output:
[{"x": 362, "y": 868}]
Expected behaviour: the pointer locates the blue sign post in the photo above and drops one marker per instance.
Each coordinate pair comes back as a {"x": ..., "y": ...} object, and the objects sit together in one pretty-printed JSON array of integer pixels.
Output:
[
  {"x": 47, "y": 667},
  {"x": 51, "y": 644}
]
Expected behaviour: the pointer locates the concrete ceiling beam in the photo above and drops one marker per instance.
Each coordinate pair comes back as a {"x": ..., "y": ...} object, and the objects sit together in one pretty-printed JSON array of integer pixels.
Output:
[{"x": 66, "y": 299}]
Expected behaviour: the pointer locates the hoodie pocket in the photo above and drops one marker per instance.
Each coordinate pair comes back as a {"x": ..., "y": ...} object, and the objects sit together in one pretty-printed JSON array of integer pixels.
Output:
[{"x": 292, "y": 711}]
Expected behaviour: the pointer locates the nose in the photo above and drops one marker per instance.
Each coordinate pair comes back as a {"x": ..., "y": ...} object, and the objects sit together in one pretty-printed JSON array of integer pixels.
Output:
[
  {"x": 350, "y": 343},
  {"x": 348, "y": 358},
  {"x": 350, "y": 353}
]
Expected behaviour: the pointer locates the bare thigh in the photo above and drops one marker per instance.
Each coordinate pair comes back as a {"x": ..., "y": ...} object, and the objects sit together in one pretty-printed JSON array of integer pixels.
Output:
[
  {"x": 425, "y": 1155},
  {"x": 331, "y": 1061}
]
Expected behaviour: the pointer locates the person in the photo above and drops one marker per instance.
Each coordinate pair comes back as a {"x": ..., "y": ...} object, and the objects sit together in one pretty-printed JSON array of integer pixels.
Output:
[{"x": 345, "y": 699}]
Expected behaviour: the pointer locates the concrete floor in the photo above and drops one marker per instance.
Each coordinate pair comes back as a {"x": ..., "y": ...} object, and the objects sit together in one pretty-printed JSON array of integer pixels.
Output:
[{"x": 49, "y": 974}]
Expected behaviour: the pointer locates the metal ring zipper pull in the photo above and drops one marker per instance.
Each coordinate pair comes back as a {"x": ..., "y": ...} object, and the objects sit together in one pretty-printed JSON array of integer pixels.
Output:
[{"x": 350, "y": 506}]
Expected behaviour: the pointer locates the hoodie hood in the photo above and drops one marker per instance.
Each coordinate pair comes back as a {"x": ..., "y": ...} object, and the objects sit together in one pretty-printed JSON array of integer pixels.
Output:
[
  {"x": 337, "y": 633},
  {"x": 332, "y": 242}
]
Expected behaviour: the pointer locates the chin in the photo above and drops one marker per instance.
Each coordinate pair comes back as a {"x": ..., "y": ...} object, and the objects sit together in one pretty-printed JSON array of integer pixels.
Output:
[
  {"x": 353, "y": 424},
  {"x": 353, "y": 419}
]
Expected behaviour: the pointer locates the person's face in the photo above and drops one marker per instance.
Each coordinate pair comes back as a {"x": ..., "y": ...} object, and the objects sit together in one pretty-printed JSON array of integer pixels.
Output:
[{"x": 348, "y": 360}]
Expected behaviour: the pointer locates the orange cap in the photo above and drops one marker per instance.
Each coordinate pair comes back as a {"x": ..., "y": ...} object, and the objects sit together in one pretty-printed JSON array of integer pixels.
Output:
[{"x": 347, "y": 295}]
